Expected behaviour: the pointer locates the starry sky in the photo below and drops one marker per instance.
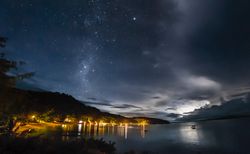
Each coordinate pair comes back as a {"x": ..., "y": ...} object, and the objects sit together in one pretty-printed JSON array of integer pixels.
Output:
[{"x": 158, "y": 58}]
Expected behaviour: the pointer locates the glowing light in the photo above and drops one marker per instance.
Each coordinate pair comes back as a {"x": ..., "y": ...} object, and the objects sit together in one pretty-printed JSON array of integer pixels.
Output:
[
  {"x": 101, "y": 123},
  {"x": 126, "y": 131},
  {"x": 191, "y": 106},
  {"x": 143, "y": 131},
  {"x": 113, "y": 123},
  {"x": 104, "y": 124},
  {"x": 143, "y": 123},
  {"x": 67, "y": 120},
  {"x": 190, "y": 135},
  {"x": 89, "y": 122},
  {"x": 79, "y": 129}
]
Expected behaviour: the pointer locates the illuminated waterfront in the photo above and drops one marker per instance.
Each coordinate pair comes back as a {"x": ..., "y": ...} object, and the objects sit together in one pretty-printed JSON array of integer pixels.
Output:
[
  {"x": 99, "y": 131},
  {"x": 207, "y": 137}
]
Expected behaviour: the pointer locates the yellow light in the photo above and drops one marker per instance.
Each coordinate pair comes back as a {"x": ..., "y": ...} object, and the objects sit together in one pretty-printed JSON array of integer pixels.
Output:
[
  {"x": 104, "y": 124},
  {"x": 144, "y": 122},
  {"x": 113, "y": 123},
  {"x": 67, "y": 120},
  {"x": 101, "y": 123},
  {"x": 89, "y": 122},
  {"x": 33, "y": 117}
]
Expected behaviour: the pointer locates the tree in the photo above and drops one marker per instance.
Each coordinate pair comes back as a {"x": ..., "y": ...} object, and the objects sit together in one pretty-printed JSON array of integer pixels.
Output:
[
  {"x": 2, "y": 41},
  {"x": 7, "y": 80}
]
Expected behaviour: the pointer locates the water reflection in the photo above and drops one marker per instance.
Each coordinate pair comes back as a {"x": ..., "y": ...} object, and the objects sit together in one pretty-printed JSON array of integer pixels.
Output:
[
  {"x": 207, "y": 137},
  {"x": 190, "y": 135},
  {"x": 96, "y": 130},
  {"x": 143, "y": 131},
  {"x": 126, "y": 131},
  {"x": 79, "y": 129}
]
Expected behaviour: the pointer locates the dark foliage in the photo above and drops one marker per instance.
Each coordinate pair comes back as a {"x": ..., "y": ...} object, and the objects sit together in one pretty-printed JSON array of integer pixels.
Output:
[
  {"x": 16, "y": 102},
  {"x": 10, "y": 145},
  {"x": 152, "y": 120},
  {"x": 6, "y": 66}
]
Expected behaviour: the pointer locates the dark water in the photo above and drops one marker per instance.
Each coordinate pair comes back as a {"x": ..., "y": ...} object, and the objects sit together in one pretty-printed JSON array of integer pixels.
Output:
[{"x": 222, "y": 136}]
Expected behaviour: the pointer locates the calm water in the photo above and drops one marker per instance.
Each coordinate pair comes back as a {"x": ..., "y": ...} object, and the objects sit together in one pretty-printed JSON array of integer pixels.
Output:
[{"x": 223, "y": 136}]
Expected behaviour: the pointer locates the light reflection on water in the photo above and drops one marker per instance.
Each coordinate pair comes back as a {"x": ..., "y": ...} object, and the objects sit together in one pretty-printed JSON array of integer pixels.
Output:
[
  {"x": 224, "y": 136},
  {"x": 189, "y": 135},
  {"x": 86, "y": 130}
]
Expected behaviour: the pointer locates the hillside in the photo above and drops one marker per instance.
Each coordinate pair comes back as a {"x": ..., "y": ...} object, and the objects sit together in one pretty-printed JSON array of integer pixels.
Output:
[
  {"x": 23, "y": 102},
  {"x": 152, "y": 120}
]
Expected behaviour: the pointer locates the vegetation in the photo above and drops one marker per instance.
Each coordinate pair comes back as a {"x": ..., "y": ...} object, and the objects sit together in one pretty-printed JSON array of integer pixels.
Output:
[
  {"x": 18, "y": 107},
  {"x": 23, "y": 112},
  {"x": 25, "y": 106},
  {"x": 146, "y": 120},
  {"x": 7, "y": 80},
  {"x": 56, "y": 107},
  {"x": 37, "y": 145}
]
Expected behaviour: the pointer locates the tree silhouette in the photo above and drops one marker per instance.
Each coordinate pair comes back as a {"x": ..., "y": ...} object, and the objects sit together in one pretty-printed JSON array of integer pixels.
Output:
[
  {"x": 3, "y": 41},
  {"x": 7, "y": 80}
]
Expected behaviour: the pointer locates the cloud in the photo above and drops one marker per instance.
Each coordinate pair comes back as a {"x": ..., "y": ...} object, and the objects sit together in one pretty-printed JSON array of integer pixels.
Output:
[
  {"x": 217, "y": 41},
  {"x": 125, "y": 106},
  {"x": 201, "y": 83},
  {"x": 177, "y": 56},
  {"x": 161, "y": 103},
  {"x": 156, "y": 97},
  {"x": 170, "y": 109},
  {"x": 190, "y": 106},
  {"x": 173, "y": 115},
  {"x": 98, "y": 104},
  {"x": 234, "y": 107},
  {"x": 183, "y": 57}
]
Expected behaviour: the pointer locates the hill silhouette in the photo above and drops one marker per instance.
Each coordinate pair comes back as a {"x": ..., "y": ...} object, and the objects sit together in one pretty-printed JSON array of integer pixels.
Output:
[{"x": 23, "y": 102}]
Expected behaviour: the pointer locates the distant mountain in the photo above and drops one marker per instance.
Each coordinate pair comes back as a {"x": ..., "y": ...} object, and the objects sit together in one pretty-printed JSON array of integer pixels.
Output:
[
  {"x": 17, "y": 101},
  {"x": 237, "y": 107},
  {"x": 152, "y": 120}
]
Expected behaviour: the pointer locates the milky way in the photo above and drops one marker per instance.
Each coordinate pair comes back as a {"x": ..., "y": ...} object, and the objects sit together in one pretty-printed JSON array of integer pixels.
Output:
[{"x": 161, "y": 58}]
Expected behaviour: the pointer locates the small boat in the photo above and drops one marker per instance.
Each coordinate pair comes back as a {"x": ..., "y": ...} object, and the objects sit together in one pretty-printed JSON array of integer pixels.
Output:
[{"x": 193, "y": 127}]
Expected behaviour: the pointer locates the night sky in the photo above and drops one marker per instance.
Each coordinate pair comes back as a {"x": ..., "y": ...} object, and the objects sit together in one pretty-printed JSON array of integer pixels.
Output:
[{"x": 159, "y": 58}]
